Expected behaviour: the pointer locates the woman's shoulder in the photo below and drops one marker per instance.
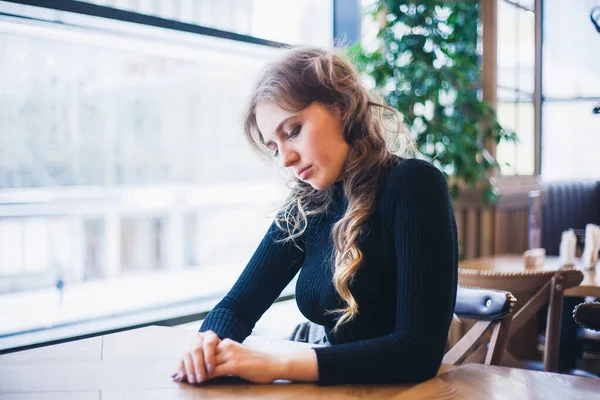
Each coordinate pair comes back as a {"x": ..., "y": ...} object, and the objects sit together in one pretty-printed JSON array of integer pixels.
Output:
[
  {"x": 411, "y": 175},
  {"x": 410, "y": 181},
  {"x": 401, "y": 169}
]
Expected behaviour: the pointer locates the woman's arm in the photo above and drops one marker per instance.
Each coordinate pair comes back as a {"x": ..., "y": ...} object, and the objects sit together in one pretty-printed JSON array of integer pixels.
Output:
[
  {"x": 270, "y": 269},
  {"x": 300, "y": 367}
]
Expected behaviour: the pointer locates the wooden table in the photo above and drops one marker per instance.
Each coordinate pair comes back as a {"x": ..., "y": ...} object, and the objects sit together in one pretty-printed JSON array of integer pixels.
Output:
[
  {"x": 137, "y": 364},
  {"x": 590, "y": 286},
  {"x": 477, "y": 381}
]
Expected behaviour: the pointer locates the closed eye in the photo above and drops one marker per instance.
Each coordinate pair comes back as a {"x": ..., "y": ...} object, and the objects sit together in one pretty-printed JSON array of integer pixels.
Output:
[
  {"x": 294, "y": 132},
  {"x": 290, "y": 135}
]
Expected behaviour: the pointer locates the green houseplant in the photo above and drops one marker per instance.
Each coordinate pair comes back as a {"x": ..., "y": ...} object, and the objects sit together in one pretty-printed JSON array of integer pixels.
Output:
[{"x": 425, "y": 63}]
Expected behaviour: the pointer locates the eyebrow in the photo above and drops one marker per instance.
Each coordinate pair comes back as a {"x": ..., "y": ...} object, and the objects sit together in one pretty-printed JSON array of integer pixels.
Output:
[{"x": 278, "y": 129}]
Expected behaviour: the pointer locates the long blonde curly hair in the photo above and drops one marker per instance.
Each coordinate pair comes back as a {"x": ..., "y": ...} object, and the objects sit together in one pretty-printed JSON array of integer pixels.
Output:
[{"x": 306, "y": 75}]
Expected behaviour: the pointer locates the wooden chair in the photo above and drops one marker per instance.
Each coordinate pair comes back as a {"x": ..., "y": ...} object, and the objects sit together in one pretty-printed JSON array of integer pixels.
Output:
[
  {"x": 490, "y": 308},
  {"x": 535, "y": 288}
]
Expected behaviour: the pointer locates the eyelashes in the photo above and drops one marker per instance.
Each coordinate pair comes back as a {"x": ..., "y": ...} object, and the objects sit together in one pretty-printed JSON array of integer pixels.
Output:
[
  {"x": 291, "y": 134},
  {"x": 294, "y": 132}
]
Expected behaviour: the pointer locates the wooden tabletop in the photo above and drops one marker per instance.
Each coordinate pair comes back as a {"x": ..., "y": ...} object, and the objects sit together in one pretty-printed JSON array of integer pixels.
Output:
[
  {"x": 590, "y": 286},
  {"x": 137, "y": 364},
  {"x": 477, "y": 381}
]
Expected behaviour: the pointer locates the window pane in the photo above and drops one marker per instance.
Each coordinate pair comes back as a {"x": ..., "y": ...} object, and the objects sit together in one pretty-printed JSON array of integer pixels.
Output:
[
  {"x": 526, "y": 50},
  {"x": 516, "y": 47},
  {"x": 11, "y": 237},
  {"x": 518, "y": 117},
  {"x": 308, "y": 22},
  {"x": 571, "y": 50},
  {"x": 83, "y": 109},
  {"x": 571, "y": 140}
]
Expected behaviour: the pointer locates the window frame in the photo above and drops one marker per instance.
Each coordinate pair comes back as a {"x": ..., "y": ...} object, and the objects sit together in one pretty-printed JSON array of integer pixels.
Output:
[
  {"x": 489, "y": 18},
  {"x": 109, "y": 13}
]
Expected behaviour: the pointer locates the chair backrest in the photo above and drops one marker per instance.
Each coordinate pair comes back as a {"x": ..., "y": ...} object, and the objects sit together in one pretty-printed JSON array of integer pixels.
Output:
[
  {"x": 483, "y": 304},
  {"x": 489, "y": 307},
  {"x": 587, "y": 315},
  {"x": 535, "y": 288}
]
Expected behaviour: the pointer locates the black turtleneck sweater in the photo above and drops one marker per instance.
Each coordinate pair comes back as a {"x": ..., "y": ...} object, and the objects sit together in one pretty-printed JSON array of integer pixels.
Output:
[{"x": 405, "y": 288}]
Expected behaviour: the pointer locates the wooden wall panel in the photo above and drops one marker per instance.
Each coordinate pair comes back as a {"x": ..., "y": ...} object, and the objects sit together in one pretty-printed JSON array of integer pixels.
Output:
[
  {"x": 500, "y": 233},
  {"x": 472, "y": 233},
  {"x": 486, "y": 247},
  {"x": 489, "y": 230}
]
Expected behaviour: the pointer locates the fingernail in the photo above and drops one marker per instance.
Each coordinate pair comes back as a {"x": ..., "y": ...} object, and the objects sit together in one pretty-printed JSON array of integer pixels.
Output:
[
  {"x": 191, "y": 379},
  {"x": 199, "y": 377},
  {"x": 209, "y": 369},
  {"x": 175, "y": 375}
]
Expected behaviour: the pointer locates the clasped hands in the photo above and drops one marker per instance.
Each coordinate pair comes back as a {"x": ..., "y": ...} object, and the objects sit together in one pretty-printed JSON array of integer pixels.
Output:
[{"x": 209, "y": 357}]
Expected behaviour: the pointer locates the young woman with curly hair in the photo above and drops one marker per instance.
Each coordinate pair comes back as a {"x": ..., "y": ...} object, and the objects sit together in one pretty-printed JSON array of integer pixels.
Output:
[{"x": 371, "y": 231}]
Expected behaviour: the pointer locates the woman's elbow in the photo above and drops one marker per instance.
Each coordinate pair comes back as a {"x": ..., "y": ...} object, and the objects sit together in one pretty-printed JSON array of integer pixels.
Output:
[
  {"x": 426, "y": 371},
  {"x": 419, "y": 367}
]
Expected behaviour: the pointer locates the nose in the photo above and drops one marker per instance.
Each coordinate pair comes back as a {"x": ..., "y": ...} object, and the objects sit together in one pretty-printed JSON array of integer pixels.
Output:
[{"x": 288, "y": 156}]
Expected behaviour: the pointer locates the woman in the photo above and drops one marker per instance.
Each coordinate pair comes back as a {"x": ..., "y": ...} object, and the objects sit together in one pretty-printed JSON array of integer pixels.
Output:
[{"x": 373, "y": 235}]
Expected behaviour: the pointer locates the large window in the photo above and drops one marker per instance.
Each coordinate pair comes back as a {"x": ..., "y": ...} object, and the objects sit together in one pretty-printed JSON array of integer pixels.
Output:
[
  {"x": 125, "y": 180},
  {"x": 571, "y": 90}
]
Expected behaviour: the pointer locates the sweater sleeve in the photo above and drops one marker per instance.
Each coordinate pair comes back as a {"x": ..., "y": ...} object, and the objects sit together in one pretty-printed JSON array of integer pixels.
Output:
[
  {"x": 426, "y": 249},
  {"x": 270, "y": 269}
]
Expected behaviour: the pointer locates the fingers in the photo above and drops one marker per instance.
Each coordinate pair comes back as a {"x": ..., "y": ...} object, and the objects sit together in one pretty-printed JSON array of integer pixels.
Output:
[
  {"x": 211, "y": 341},
  {"x": 227, "y": 344},
  {"x": 189, "y": 369},
  {"x": 228, "y": 368},
  {"x": 179, "y": 374},
  {"x": 199, "y": 363},
  {"x": 224, "y": 354},
  {"x": 221, "y": 357},
  {"x": 202, "y": 358}
]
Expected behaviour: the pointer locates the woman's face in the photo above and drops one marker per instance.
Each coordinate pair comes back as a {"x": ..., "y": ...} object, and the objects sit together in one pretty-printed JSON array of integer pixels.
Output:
[{"x": 310, "y": 141}]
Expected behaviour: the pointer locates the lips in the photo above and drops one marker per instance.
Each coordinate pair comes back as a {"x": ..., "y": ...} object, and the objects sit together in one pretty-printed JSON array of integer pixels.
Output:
[{"x": 303, "y": 172}]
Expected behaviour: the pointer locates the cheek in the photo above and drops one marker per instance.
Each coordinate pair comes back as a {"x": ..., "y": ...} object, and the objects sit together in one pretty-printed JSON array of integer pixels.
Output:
[
  {"x": 322, "y": 149},
  {"x": 312, "y": 148}
]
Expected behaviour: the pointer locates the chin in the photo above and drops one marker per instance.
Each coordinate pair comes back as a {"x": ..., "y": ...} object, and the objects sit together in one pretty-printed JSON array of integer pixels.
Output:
[{"x": 319, "y": 185}]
